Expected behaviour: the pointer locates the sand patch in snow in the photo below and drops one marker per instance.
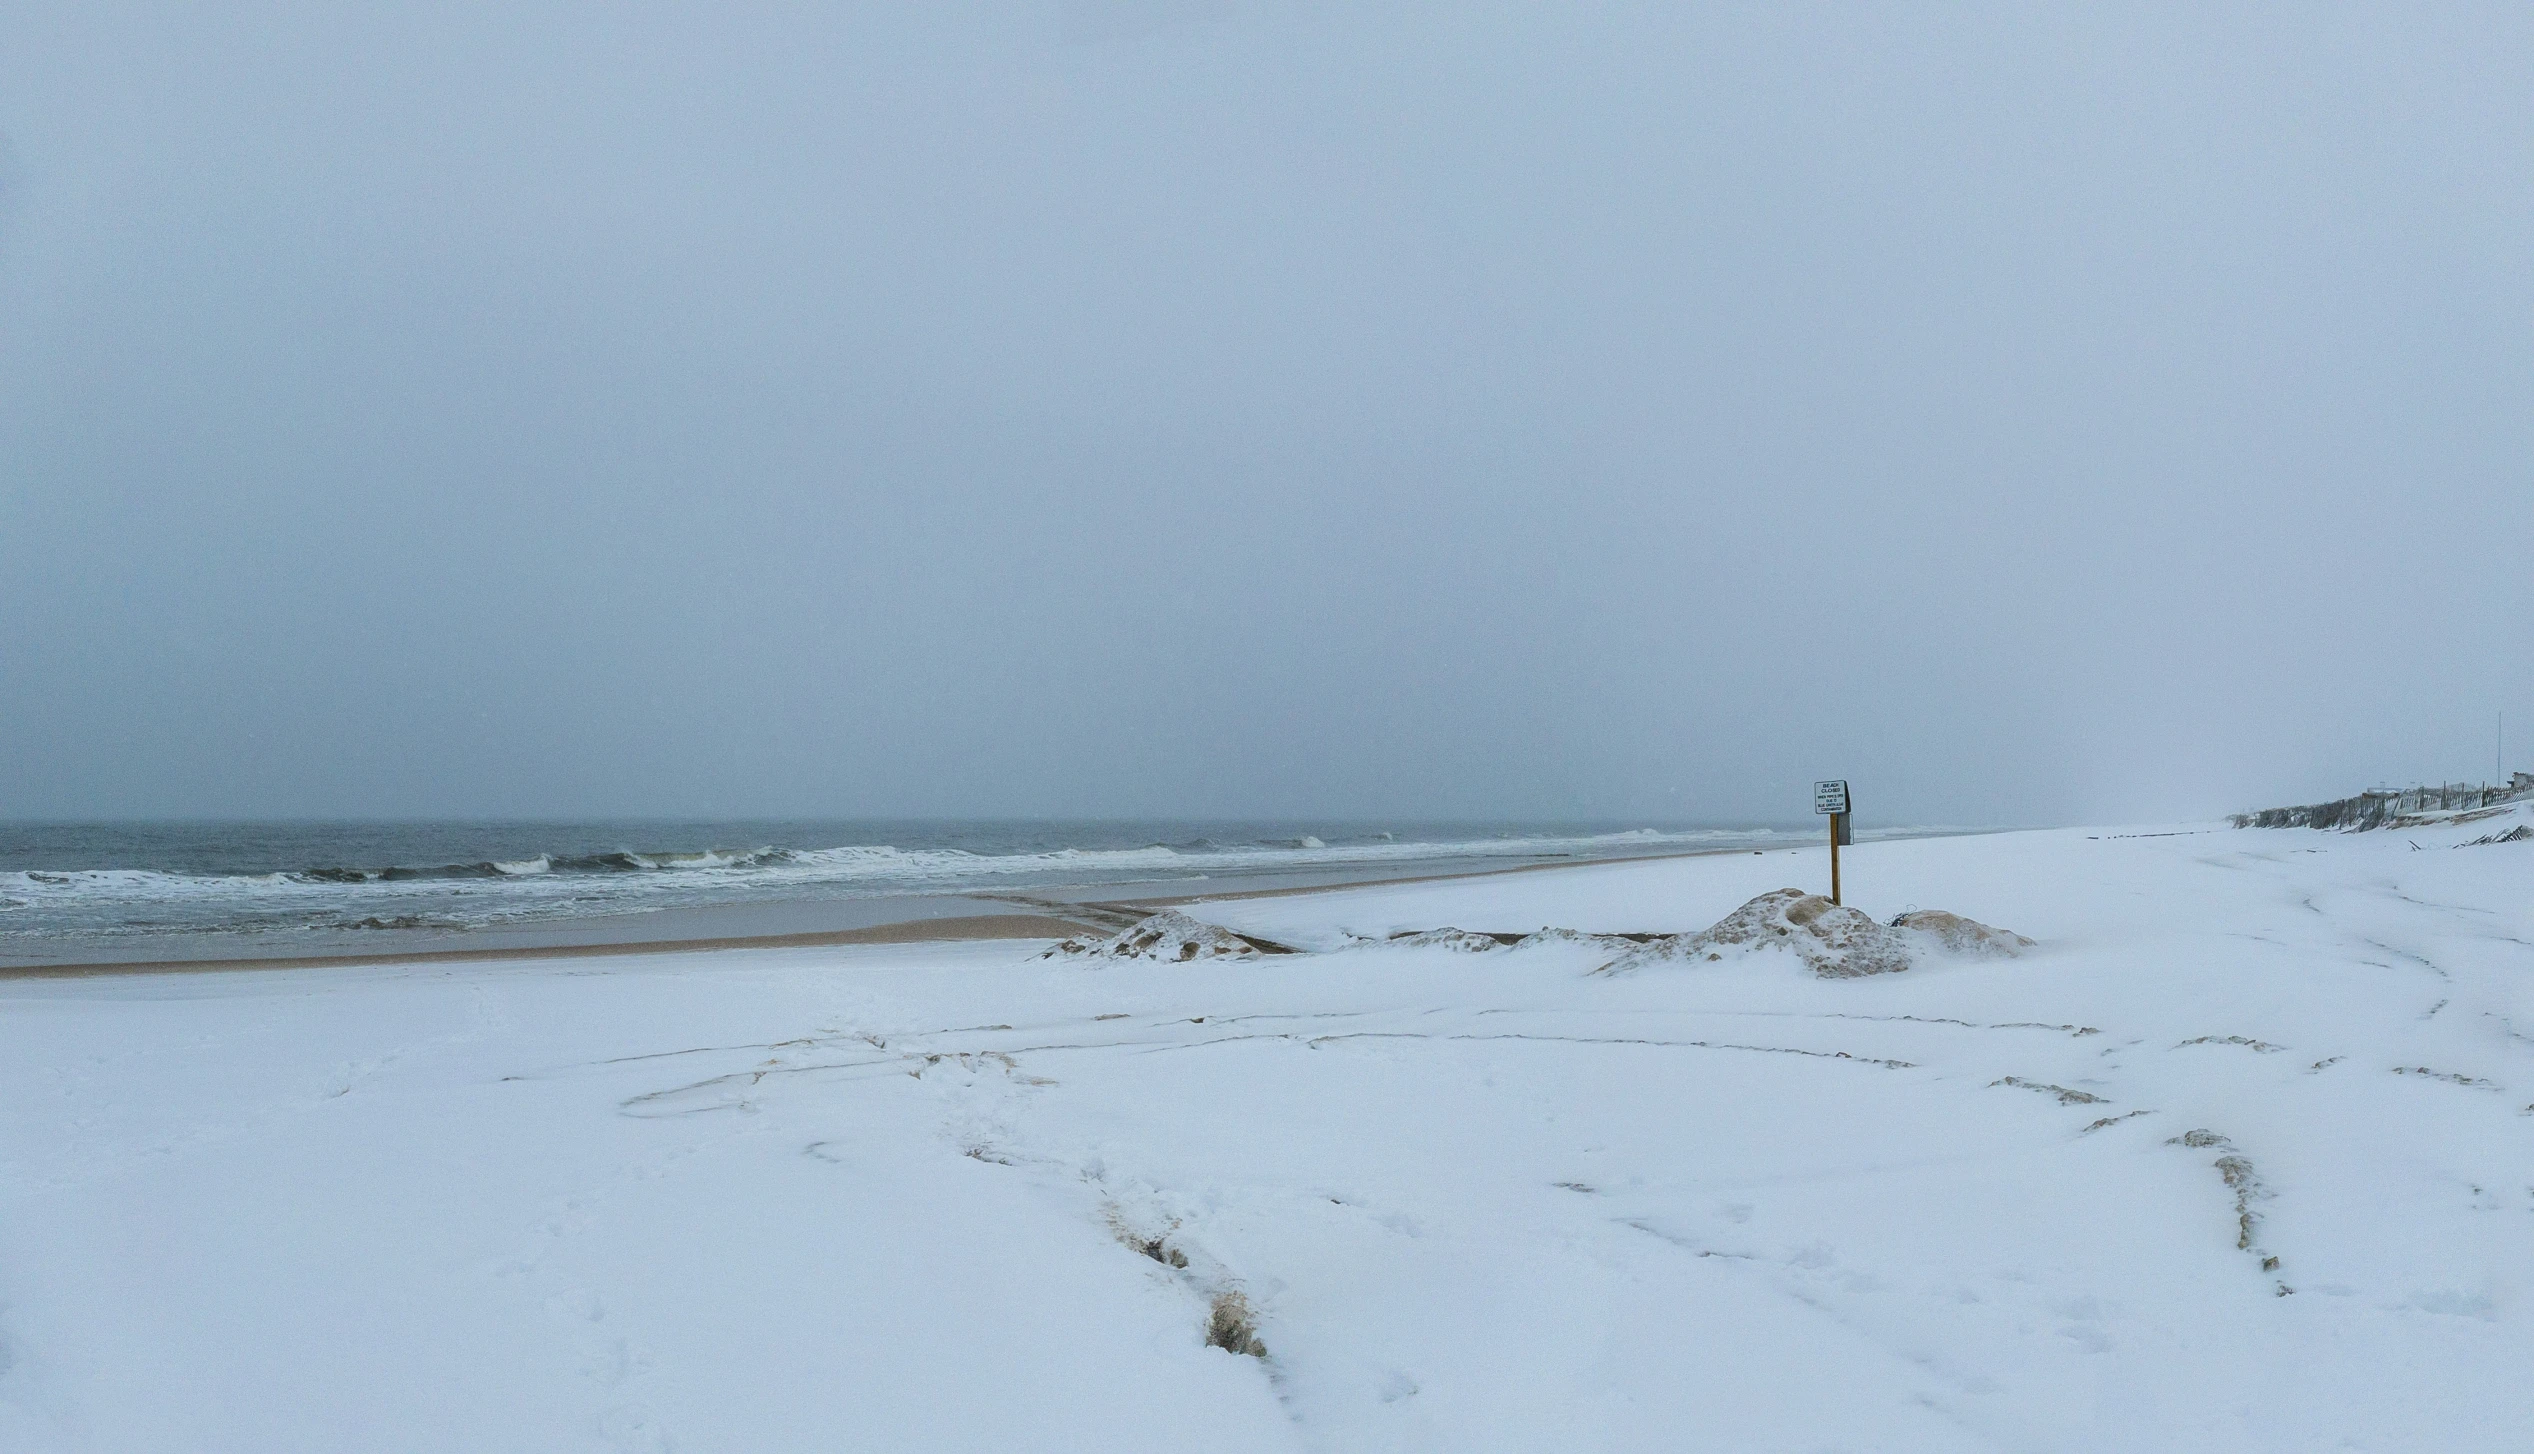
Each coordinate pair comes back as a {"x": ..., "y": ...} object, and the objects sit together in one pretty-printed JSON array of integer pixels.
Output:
[{"x": 1967, "y": 937}]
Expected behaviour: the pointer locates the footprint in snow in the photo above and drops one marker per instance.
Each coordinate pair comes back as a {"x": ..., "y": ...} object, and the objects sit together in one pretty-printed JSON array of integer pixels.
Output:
[{"x": 631, "y": 1427}]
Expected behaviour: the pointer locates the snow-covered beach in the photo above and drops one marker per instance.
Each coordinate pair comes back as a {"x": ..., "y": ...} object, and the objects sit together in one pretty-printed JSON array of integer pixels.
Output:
[{"x": 2240, "y": 1155}]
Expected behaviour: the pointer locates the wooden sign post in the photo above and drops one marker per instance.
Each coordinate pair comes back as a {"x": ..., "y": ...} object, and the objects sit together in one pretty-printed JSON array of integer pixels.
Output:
[{"x": 1830, "y": 795}]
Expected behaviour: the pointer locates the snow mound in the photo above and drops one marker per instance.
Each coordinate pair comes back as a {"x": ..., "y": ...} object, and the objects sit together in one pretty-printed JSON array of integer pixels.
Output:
[
  {"x": 1967, "y": 937},
  {"x": 1462, "y": 941},
  {"x": 1832, "y": 941},
  {"x": 1169, "y": 936}
]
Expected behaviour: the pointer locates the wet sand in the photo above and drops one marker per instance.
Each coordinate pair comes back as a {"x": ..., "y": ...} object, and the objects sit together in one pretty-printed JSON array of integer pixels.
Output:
[{"x": 903, "y": 931}]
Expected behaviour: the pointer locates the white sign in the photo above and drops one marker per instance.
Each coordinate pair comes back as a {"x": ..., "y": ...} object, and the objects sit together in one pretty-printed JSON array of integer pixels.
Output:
[{"x": 1830, "y": 795}]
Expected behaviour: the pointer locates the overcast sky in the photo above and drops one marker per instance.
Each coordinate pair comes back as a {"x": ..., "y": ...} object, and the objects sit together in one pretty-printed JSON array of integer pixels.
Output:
[{"x": 1128, "y": 407}]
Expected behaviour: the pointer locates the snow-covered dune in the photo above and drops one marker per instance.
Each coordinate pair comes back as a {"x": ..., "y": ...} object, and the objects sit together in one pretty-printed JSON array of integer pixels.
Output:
[{"x": 2238, "y": 1156}]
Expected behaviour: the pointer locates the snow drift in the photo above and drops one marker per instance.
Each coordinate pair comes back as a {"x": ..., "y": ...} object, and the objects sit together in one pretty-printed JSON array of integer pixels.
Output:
[
  {"x": 1475, "y": 941},
  {"x": 1833, "y": 942},
  {"x": 1966, "y": 937},
  {"x": 1169, "y": 936}
]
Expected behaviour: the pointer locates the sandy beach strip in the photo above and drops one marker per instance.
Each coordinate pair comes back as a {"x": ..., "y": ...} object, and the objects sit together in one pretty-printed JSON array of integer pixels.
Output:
[{"x": 905, "y": 931}]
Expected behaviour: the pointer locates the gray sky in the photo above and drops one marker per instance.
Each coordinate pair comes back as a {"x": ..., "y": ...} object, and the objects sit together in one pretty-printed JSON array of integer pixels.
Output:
[{"x": 1136, "y": 407}]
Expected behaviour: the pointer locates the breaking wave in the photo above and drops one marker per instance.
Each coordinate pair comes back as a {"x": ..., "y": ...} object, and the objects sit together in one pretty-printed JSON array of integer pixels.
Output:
[{"x": 620, "y": 861}]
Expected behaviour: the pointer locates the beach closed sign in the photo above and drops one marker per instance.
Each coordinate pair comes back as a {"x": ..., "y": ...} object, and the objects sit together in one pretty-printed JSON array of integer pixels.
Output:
[{"x": 1830, "y": 795}]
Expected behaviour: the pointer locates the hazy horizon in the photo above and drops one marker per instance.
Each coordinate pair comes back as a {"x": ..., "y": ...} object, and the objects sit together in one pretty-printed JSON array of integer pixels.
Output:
[{"x": 1179, "y": 409}]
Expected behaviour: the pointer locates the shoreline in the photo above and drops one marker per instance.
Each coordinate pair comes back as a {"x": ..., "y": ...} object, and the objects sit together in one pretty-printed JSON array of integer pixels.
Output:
[
  {"x": 901, "y": 931},
  {"x": 1045, "y": 915}
]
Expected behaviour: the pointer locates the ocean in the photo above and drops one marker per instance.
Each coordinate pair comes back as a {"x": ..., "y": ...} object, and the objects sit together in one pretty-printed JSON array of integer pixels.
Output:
[{"x": 255, "y": 888}]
